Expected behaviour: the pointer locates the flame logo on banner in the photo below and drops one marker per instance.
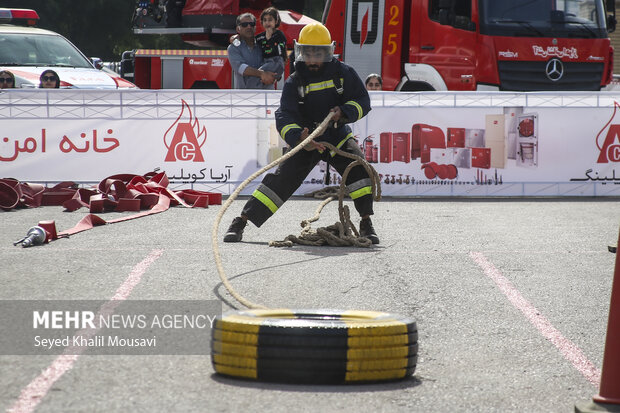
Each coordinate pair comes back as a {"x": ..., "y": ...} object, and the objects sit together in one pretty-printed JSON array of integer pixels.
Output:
[
  {"x": 182, "y": 138},
  {"x": 610, "y": 150},
  {"x": 364, "y": 29}
]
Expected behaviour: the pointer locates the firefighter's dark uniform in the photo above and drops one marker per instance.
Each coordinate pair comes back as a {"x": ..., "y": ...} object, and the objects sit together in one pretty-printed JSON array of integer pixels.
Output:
[{"x": 336, "y": 84}]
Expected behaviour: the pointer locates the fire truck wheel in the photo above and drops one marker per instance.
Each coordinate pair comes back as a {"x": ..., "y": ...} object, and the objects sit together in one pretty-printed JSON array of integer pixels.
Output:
[{"x": 314, "y": 346}]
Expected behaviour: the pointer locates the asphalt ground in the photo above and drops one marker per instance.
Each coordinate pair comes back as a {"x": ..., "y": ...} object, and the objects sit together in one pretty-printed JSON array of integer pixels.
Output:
[{"x": 455, "y": 266}]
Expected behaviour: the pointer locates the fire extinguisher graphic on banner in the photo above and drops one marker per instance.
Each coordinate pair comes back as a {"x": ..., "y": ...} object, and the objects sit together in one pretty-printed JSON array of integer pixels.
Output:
[{"x": 367, "y": 144}]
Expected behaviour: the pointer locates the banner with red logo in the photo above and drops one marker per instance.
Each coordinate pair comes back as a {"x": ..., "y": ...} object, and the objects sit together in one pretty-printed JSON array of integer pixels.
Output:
[
  {"x": 85, "y": 150},
  {"x": 494, "y": 151},
  {"x": 435, "y": 144}
]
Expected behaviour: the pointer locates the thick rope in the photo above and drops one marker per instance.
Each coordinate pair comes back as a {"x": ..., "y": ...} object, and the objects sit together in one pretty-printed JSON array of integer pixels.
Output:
[
  {"x": 214, "y": 233},
  {"x": 342, "y": 233},
  {"x": 323, "y": 193}
]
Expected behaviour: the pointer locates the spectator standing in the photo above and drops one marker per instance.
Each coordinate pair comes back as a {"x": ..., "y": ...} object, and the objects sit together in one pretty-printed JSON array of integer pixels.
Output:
[
  {"x": 246, "y": 57},
  {"x": 7, "y": 80},
  {"x": 49, "y": 80},
  {"x": 272, "y": 42}
]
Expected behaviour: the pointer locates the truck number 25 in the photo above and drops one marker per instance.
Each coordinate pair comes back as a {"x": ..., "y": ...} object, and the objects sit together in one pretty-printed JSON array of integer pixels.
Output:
[{"x": 393, "y": 37}]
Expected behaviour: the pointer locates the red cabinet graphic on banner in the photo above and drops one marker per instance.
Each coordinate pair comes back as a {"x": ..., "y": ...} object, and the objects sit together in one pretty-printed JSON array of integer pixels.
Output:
[
  {"x": 385, "y": 147},
  {"x": 423, "y": 138},
  {"x": 481, "y": 158},
  {"x": 456, "y": 138},
  {"x": 401, "y": 144}
]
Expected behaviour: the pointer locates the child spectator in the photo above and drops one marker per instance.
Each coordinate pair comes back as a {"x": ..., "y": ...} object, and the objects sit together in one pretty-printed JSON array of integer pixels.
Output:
[{"x": 272, "y": 42}]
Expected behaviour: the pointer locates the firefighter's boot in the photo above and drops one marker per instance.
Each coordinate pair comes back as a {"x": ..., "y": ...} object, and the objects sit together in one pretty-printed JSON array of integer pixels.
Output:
[
  {"x": 235, "y": 230},
  {"x": 367, "y": 231}
]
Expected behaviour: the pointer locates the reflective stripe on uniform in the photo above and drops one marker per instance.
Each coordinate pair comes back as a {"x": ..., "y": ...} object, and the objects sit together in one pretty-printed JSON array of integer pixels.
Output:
[
  {"x": 361, "y": 192},
  {"x": 360, "y": 188},
  {"x": 288, "y": 128},
  {"x": 356, "y": 105},
  {"x": 359, "y": 184},
  {"x": 314, "y": 87},
  {"x": 350, "y": 135},
  {"x": 268, "y": 198}
]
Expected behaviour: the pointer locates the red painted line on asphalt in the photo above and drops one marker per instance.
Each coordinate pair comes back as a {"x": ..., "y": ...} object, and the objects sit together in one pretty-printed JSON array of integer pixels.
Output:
[
  {"x": 32, "y": 394},
  {"x": 568, "y": 349}
]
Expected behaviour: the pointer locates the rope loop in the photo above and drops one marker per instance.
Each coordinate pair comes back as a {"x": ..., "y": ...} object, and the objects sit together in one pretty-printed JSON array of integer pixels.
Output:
[{"x": 340, "y": 234}]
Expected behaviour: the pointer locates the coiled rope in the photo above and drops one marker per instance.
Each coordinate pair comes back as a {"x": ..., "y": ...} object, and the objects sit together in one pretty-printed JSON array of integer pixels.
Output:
[
  {"x": 342, "y": 233},
  {"x": 344, "y": 228}
]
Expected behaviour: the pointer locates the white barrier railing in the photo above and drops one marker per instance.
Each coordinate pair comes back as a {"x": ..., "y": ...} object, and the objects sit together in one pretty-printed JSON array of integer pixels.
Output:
[{"x": 214, "y": 139}]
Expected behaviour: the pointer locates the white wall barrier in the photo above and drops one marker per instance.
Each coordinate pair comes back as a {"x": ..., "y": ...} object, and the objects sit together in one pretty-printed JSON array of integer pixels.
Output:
[{"x": 422, "y": 144}]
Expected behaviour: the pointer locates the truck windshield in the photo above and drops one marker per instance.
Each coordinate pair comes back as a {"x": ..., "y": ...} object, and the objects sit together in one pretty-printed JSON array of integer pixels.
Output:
[
  {"x": 543, "y": 18},
  {"x": 19, "y": 49}
]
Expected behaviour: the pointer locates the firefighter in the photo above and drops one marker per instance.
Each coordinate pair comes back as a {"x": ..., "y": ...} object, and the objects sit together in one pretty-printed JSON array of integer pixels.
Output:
[{"x": 320, "y": 84}]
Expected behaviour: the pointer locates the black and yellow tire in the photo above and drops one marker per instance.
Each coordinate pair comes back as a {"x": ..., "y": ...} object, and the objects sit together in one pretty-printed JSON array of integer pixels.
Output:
[{"x": 314, "y": 346}]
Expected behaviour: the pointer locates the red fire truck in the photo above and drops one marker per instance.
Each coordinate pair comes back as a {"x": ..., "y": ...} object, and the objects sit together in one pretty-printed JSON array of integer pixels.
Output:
[
  {"x": 207, "y": 24},
  {"x": 420, "y": 45}
]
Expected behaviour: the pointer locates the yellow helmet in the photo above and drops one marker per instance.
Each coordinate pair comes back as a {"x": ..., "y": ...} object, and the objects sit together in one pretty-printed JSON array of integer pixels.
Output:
[
  {"x": 315, "y": 43},
  {"x": 315, "y": 34}
]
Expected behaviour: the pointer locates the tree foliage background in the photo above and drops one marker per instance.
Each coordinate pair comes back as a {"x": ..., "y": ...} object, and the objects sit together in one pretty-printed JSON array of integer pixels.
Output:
[{"x": 102, "y": 28}]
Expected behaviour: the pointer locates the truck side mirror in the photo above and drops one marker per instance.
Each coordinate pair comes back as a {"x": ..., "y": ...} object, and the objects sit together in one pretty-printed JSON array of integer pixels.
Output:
[
  {"x": 611, "y": 23},
  {"x": 127, "y": 65},
  {"x": 610, "y": 5}
]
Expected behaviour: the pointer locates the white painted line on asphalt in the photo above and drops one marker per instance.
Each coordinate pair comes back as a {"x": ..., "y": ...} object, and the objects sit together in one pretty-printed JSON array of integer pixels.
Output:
[
  {"x": 32, "y": 394},
  {"x": 568, "y": 349}
]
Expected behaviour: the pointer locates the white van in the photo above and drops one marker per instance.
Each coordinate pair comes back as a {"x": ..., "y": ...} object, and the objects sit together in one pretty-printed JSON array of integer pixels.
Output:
[{"x": 27, "y": 51}]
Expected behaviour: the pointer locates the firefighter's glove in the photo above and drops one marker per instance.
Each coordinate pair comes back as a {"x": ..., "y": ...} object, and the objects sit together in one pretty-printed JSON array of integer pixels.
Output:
[
  {"x": 315, "y": 145},
  {"x": 339, "y": 118},
  {"x": 312, "y": 145}
]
